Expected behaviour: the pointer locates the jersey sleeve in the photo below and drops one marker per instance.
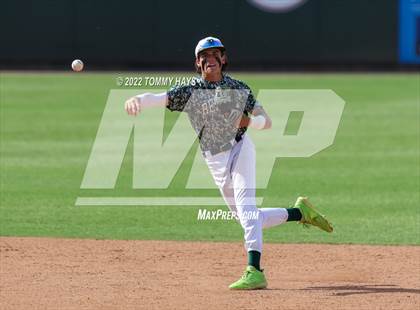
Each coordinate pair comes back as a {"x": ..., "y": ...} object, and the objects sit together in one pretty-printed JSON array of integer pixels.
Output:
[
  {"x": 251, "y": 102},
  {"x": 178, "y": 97}
]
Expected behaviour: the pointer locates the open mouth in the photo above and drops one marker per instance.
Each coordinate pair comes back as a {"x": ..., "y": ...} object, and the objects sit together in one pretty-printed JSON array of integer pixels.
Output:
[{"x": 211, "y": 65}]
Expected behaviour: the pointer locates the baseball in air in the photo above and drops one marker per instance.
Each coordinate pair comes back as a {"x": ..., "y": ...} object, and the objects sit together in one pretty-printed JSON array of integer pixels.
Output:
[{"x": 77, "y": 65}]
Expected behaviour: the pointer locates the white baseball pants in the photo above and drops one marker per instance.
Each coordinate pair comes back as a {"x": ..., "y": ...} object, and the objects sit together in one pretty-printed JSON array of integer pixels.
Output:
[{"x": 234, "y": 173}]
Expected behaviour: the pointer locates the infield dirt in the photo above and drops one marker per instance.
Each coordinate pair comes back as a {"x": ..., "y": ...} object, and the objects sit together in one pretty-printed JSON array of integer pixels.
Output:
[{"x": 46, "y": 273}]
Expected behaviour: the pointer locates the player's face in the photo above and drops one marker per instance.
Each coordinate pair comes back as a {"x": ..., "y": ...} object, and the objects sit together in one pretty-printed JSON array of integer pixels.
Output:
[{"x": 211, "y": 61}]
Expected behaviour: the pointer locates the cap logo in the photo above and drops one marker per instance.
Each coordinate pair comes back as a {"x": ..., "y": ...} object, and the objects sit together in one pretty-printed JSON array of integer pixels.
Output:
[{"x": 207, "y": 43}]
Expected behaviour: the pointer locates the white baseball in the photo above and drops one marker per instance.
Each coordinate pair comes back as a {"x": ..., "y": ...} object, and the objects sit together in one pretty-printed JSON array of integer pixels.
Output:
[{"x": 77, "y": 65}]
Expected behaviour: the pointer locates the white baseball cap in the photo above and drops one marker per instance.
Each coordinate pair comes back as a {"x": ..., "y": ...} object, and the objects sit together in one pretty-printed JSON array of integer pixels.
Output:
[{"x": 206, "y": 43}]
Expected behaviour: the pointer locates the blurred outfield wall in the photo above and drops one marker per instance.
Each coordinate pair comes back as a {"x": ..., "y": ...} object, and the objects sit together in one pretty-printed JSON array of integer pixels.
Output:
[{"x": 163, "y": 34}]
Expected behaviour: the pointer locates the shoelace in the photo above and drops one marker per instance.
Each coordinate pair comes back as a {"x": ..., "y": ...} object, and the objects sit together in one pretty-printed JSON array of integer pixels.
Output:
[{"x": 245, "y": 274}]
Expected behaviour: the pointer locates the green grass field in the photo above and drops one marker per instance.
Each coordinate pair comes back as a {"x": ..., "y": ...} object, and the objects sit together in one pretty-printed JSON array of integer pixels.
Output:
[{"x": 367, "y": 182}]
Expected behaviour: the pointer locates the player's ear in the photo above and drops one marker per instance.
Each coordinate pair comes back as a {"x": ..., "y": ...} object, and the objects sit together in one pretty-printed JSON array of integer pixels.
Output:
[
  {"x": 198, "y": 62},
  {"x": 222, "y": 56},
  {"x": 224, "y": 59},
  {"x": 197, "y": 65}
]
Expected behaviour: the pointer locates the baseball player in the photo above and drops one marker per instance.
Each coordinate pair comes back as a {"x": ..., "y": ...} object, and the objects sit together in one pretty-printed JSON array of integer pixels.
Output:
[{"x": 220, "y": 110}]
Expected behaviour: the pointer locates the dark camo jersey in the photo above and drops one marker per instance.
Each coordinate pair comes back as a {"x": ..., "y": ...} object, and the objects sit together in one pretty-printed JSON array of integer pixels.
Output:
[{"x": 212, "y": 108}]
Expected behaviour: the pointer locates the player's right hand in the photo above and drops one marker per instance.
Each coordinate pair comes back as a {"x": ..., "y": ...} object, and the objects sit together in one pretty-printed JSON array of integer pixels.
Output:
[{"x": 132, "y": 106}]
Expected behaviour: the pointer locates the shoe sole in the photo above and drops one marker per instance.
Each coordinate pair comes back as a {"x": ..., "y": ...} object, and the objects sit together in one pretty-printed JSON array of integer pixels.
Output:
[
  {"x": 306, "y": 202},
  {"x": 249, "y": 288}
]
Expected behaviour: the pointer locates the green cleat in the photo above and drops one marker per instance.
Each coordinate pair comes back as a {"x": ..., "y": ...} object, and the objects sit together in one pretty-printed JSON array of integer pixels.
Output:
[
  {"x": 312, "y": 216},
  {"x": 252, "y": 279}
]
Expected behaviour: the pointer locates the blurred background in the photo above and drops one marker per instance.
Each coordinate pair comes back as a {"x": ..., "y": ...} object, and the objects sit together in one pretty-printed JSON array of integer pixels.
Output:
[{"x": 259, "y": 34}]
